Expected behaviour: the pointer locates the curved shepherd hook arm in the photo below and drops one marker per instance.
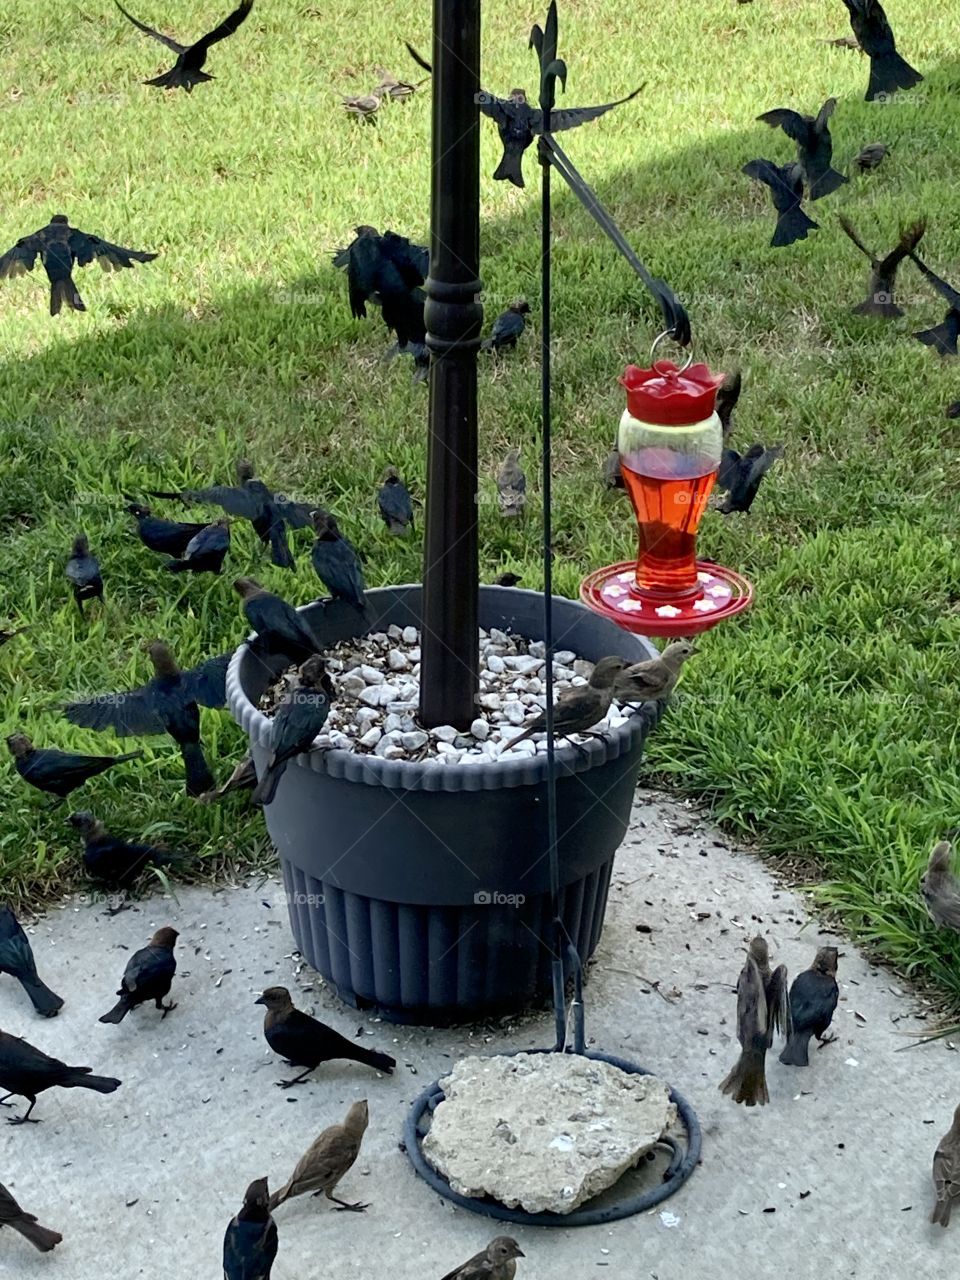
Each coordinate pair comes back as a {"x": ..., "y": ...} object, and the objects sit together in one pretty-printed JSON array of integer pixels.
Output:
[{"x": 676, "y": 322}]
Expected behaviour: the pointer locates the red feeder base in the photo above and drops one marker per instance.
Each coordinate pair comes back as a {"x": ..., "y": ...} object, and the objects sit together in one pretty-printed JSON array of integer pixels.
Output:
[{"x": 612, "y": 592}]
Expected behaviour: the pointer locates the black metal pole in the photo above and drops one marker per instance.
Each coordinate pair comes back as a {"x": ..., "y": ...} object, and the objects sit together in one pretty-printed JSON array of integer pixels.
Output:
[{"x": 449, "y": 644}]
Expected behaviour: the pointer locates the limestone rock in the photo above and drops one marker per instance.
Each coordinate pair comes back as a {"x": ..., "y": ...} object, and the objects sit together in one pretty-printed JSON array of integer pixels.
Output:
[{"x": 544, "y": 1131}]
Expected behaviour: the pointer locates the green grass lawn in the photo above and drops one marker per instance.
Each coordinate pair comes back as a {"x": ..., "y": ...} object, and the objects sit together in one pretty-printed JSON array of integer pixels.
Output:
[{"x": 824, "y": 722}]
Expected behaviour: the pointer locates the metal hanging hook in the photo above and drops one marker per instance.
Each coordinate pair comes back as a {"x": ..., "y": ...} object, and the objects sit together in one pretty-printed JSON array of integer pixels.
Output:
[{"x": 668, "y": 333}]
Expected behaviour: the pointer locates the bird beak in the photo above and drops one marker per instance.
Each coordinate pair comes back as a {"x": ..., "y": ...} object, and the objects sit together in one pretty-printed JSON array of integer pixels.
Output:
[
  {"x": 260, "y": 1001},
  {"x": 521, "y": 1254}
]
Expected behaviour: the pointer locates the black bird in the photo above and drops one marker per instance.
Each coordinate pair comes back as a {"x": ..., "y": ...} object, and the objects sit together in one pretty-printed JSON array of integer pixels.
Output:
[
  {"x": 169, "y": 537},
  {"x": 58, "y": 772},
  {"x": 507, "y": 579},
  {"x": 83, "y": 573},
  {"x": 786, "y": 190},
  {"x": 114, "y": 861},
  {"x": 741, "y": 475},
  {"x": 944, "y": 336},
  {"x": 305, "y": 1042},
  {"x": 518, "y": 124},
  {"x": 814, "y": 146},
  {"x": 280, "y": 628},
  {"x": 16, "y": 958},
  {"x": 728, "y": 396},
  {"x": 508, "y": 326},
  {"x": 148, "y": 976},
  {"x": 26, "y": 1072},
  {"x": 59, "y": 247},
  {"x": 871, "y": 156},
  {"x": 395, "y": 503},
  {"x": 250, "y": 1244},
  {"x": 168, "y": 703},
  {"x": 243, "y": 778},
  {"x": 953, "y": 410},
  {"x": 336, "y": 561},
  {"x": 186, "y": 71},
  {"x": 879, "y": 300},
  {"x": 813, "y": 998},
  {"x": 11, "y": 1215},
  {"x": 388, "y": 271},
  {"x": 888, "y": 71},
  {"x": 301, "y": 715},
  {"x": 250, "y": 499},
  {"x": 206, "y": 552},
  {"x": 612, "y": 473},
  {"x": 6, "y": 636}
]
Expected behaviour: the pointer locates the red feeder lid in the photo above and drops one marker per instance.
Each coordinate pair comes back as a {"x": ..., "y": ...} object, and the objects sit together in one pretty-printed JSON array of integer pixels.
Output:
[{"x": 668, "y": 396}]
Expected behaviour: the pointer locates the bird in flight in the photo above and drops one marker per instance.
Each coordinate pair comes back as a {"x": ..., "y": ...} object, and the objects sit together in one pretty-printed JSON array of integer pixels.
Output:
[{"x": 186, "y": 71}]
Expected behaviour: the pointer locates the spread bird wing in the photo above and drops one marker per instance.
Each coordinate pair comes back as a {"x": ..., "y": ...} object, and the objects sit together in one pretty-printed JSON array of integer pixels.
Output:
[
  {"x": 848, "y": 228},
  {"x": 295, "y": 514},
  {"x": 364, "y": 260},
  {"x": 945, "y": 290},
  {"x": 112, "y": 257},
  {"x": 570, "y": 117},
  {"x": 729, "y": 465},
  {"x": 207, "y": 683},
  {"x": 226, "y": 28},
  {"x": 751, "y": 1006},
  {"x": 769, "y": 174},
  {"x": 411, "y": 260},
  {"x": 499, "y": 110},
  {"x": 791, "y": 122},
  {"x": 764, "y": 461},
  {"x": 22, "y": 257},
  {"x": 909, "y": 239},
  {"x": 241, "y": 502},
  {"x": 127, "y": 714},
  {"x": 826, "y": 111},
  {"x": 778, "y": 1001},
  {"x": 149, "y": 31}
]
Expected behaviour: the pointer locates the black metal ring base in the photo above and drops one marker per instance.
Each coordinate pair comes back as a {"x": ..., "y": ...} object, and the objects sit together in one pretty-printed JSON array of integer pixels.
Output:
[{"x": 681, "y": 1166}]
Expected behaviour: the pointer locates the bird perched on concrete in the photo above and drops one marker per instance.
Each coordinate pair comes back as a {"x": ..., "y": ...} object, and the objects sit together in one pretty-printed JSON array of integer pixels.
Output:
[
  {"x": 168, "y": 703},
  {"x": 27, "y": 1072},
  {"x": 943, "y": 337},
  {"x": 814, "y": 146},
  {"x": 363, "y": 107},
  {"x": 580, "y": 707},
  {"x": 113, "y": 861},
  {"x": 511, "y": 485},
  {"x": 305, "y": 1042},
  {"x": 747, "y": 1081},
  {"x": 508, "y": 326},
  {"x": 58, "y": 772},
  {"x": 518, "y": 124},
  {"x": 336, "y": 562},
  {"x": 507, "y": 579},
  {"x": 395, "y": 503},
  {"x": 740, "y": 475},
  {"x": 495, "y": 1262},
  {"x": 940, "y": 888},
  {"x": 883, "y": 271},
  {"x": 654, "y": 678},
  {"x": 946, "y": 1173},
  {"x": 186, "y": 71},
  {"x": 280, "y": 628},
  {"x": 888, "y": 70},
  {"x": 169, "y": 537},
  {"x": 250, "y": 1243},
  {"x": 728, "y": 397},
  {"x": 251, "y": 499},
  {"x": 786, "y": 191},
  {"x": 16, "y": 959},
  {"x": 206, "y": 552},
  {"x": 871, "y": 156},
  {"x": 83, "y": 573},
  {"x": 775, "y": 986},
  {"x": 327, "y": 1159},
  {"x": 60, "y": 247},
  {"x": 388, "y": 271},
  {"x": 11, "y": 1215},
  {"x": 7, "y": 636},
  {"x": 243, "y": 778},
  {"x": 301, "y": 715},
  {"x": 813, "y": 999},
  {"x": 148, "y": 976}
]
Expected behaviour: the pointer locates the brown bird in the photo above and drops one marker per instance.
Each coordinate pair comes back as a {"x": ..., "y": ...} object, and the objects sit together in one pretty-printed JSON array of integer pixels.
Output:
[
  {"x": 843, "y": 42},
  {"x": 507, "y": 579},
  {"x": 395, "y": 90},
  {"x": 578, "y": 709},
  {"x": 364, "y": 108},
  {"x": 813, "y": 999},
  {"x": 879, "y": 300},
  {"x": 655, "y": 678},
  {"x": 495, "y": 1262},
  {"x": 305, "y": 1042},
  {"x": 511, "y": 485},
  {"x": 872, "y": 156},
  {"x": 243, "y": 778},
  {"x": 761, "y": 1007},
  {"x": 775, "y": 989},
  {"x": 946, "y": 1173},
  {"x": 327, "y": 1159},
  {"x": 940, "y": 889},
  {"x": 11, "y": 1215}
]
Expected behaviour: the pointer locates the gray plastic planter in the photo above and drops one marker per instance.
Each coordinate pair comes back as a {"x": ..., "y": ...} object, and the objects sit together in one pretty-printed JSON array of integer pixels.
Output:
[{"x": 422, "y": 889}]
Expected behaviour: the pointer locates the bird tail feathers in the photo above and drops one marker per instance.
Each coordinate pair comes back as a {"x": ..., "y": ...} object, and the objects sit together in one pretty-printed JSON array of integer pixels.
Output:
[
  {"x": 888, "y": 73},
  {"x": 118, "y": 1012},
  {"x": 747, "y": 1082},
  {"x": 199, "y": 777},
  {"x": 81, "y": 1078},
  {"x": 266, "y": 788},
  {"x": 41, "y": 1238},
  {"x": 795, "y": 1051},
  {"x": 793, "y": 225},
  {"x": 45, "y": 1001},
  {"x": 64, "y": 291}
]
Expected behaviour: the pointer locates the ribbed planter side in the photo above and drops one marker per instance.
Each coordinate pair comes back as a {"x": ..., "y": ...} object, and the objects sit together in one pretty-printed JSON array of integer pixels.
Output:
[{"x": 423, "y": 889}]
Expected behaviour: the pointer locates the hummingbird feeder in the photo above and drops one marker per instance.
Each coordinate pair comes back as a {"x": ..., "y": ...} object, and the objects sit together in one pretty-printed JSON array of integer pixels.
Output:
[{"x": 670, "y": 444}]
